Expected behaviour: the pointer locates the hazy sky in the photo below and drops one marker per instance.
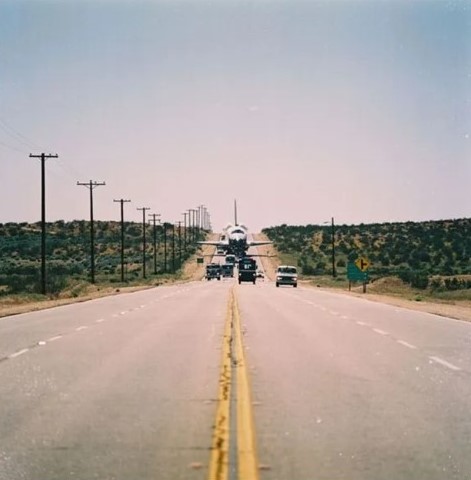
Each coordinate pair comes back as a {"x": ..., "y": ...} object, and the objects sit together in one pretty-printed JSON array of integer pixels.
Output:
[{"x": 302, "y": 110}]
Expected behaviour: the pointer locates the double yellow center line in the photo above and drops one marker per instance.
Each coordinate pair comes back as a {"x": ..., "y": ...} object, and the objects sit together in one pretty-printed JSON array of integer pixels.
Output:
[{"x": 233, "y": 370}]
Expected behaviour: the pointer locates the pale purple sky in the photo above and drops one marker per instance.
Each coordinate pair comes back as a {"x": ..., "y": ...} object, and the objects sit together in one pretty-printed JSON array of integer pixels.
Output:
[{"x": 302, "y": 110}]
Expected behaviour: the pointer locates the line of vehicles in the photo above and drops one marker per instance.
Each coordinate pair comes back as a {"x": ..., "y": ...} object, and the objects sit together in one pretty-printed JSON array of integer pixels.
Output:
[{"x": 248, "y": 271}]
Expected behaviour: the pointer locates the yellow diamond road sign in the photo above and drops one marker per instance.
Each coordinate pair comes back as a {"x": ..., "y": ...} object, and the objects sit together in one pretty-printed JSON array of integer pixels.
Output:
[{"x": 362, "y": 263}]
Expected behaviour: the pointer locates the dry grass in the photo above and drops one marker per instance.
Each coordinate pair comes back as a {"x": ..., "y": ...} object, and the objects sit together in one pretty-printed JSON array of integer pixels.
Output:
[
  {"x": 270, "y": 258},
  {"x": 194, "y": 271},
  {"x": 82, "y": 292}
]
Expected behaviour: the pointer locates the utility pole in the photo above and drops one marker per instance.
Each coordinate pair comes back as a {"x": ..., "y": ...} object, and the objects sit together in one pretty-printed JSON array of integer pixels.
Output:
[
  {"x": 165, "y": 247},
  {"x": 188, "y": 213},
  {"x": 197, "y": 223},
  {"x": 122, "y": 202},
  {"x": 184, "y": 230},
  {"x": 193, "y": 228},
  {"x": 334, "y": 273},
  {"x": 204, "y": 218},
  {"x": 180, "y": 242},
  {"x": 91, "y": 185},
  {"x": 43, "y": 158},
  {"x": 155, "y": 219},
  {"x": 143, "y": 239},
  {"x": 173, "y": 248}
]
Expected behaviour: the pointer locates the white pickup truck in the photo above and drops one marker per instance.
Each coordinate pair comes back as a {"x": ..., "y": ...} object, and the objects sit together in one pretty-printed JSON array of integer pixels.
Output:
[{"x": 286, "y": 275}]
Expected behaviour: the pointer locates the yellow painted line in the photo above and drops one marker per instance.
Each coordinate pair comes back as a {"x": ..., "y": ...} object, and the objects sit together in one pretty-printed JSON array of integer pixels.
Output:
[
  {"x": 246, "y": 445},
  {"x": 219, "y": 461},
  {"x": 233, "y": 351}
]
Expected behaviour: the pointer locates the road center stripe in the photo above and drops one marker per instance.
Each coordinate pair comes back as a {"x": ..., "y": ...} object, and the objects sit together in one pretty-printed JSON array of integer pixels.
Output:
[
  {"x": 219, "y": 461},
  {"x": 233, "y": 357},
  {"x": 246, "y": 445}
]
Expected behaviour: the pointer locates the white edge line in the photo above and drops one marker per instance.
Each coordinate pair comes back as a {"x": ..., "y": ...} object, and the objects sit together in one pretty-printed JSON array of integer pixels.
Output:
[
  {"x": 18, "y": 353},
  {"x": 100, "y": 320},
  {"x": 407, "y": 344},
  {"x": 81, "y": 328},
  {"x": 381, "y": 332},
  {"x": 53, "y": 339},
  {"x": 445, "y": 363},
  {"x": 363, "y": 324}
]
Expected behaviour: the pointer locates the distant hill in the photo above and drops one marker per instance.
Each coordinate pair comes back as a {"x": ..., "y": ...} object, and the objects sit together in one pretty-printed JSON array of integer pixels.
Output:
[
  {"x": 406, "y": 249},
  {"x": 68, "y": 252}
]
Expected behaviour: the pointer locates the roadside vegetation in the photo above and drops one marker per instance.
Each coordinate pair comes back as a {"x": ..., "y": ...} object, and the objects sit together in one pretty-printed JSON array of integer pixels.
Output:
[
  {"x": 419, "y": 260},
  {"x": 69, "y": 264}
]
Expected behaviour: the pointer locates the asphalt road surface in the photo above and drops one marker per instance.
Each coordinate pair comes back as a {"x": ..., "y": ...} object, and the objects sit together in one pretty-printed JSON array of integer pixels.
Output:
[{"x": 136, "y": 387}]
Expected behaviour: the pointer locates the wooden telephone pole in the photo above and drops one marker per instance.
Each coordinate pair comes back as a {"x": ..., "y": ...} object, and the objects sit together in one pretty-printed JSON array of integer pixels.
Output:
[
  {"x": 91, "y": 185},
  {"x": 43, "y": 158}
]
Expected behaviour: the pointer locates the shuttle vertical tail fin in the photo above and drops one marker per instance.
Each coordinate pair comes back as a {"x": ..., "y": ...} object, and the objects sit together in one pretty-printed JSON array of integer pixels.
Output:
[{"x": 235, "y": 212}]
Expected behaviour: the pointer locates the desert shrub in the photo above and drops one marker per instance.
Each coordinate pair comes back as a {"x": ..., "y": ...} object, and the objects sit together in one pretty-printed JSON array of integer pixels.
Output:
[
  {"x": 436, "y": 285},
  {"x": 415, "y": 279},
  {"x": 457, "y": 284}
]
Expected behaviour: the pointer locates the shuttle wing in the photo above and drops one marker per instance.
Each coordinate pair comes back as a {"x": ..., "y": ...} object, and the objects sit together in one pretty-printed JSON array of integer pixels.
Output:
[
  {"x": 216, "y": 243},
  {"x": 256, "y": 243}
]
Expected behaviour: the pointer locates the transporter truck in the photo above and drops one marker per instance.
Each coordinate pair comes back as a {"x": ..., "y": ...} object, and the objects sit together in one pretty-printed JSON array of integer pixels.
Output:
[{"x": 247, "y": 270}]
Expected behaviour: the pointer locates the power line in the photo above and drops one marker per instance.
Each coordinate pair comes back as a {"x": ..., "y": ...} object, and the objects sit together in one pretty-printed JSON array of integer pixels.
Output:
[
  {"x": 23, "y": 139},
  {"x": 12, "y": 148},
  {"x": 69, "y": 170}
]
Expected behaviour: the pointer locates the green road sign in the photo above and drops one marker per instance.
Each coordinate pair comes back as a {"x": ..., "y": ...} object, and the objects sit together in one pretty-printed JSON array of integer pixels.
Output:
[{"x": 355, "y": 274}]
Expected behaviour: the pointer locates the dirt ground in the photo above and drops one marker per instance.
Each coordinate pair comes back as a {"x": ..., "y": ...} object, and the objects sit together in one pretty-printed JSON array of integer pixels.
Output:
[{"x": 461, "y": 311}]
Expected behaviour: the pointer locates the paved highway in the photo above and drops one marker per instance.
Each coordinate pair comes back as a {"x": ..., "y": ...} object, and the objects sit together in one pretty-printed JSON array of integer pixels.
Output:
[{"x": 132, "y": 387}]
